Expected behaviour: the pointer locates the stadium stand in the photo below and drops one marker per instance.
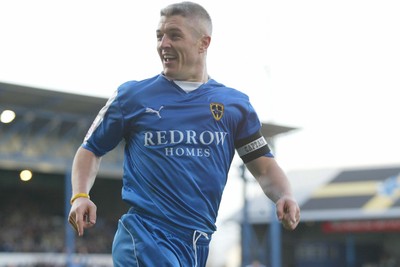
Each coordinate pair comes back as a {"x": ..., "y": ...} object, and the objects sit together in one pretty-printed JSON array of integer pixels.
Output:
[{"x": 47, "y": 129}]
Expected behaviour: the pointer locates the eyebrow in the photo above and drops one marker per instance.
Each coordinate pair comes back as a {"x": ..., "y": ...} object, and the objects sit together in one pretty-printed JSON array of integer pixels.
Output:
[{"x": 174, "y": 29}]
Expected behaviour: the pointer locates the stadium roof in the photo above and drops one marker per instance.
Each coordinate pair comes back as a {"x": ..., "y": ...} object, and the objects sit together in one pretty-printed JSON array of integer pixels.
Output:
[
  {"x": 25, "y": 97},
  {"x": 339, "y": 194},
  {"x": 48, "y": 128}
]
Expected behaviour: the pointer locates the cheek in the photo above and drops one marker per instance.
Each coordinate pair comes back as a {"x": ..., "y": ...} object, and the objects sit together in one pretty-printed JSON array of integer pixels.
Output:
[
  {"x": 191, "y": 54},
  {"x": 158, "y": 50}
]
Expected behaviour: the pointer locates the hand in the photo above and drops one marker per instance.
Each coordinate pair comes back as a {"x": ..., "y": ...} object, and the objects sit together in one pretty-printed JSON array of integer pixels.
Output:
[
  {"x": 288, "y": 212},
  {"x": 82, "y": 215}
]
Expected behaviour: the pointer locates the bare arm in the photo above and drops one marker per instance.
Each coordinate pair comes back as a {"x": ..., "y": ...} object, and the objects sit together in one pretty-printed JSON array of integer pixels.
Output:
[
  {"x": 276, "y": 186},
  {"x": 84, "y": 170}
]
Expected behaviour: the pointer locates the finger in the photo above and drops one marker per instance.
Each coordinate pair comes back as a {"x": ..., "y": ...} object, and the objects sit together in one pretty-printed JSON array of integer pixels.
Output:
[
  {"x": 291, "y": 211},
  {"x": 292, "y": 219},
  {"x": 79, "y": 224},
  {"x": 289, "y": 225},
  {"x": 280, "y": 212},
  {"x": 91, "y": 216},
  {"x": 288, "y": 213},
  {"x": 87, "y": 222},
  {"x": 73, "y": 224},
  {"x": 72, "y": 221},
  {"x": 295, "y": 213}
]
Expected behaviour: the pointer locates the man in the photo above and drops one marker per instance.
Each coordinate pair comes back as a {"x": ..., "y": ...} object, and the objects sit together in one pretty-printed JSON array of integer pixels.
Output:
[{"x": 181, "y": 129}]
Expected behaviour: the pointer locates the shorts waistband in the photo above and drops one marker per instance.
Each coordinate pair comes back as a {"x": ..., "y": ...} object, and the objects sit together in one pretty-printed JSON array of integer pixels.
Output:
[{"x": 176, "y": 230}]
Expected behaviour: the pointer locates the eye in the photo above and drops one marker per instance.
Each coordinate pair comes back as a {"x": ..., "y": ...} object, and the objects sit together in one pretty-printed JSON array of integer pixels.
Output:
[{"x": 175, "y": 36}]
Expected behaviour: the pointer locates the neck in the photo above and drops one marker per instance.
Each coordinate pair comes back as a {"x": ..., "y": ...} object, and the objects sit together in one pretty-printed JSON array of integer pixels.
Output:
[{"x": 203, "y": 78}]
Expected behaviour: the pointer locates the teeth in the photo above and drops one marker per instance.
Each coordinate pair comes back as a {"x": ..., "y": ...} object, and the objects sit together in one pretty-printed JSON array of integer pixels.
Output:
[{"x": 168, "y": 57}]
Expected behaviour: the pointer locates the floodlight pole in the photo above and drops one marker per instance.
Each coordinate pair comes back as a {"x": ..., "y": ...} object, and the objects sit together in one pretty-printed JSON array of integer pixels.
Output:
[
  {"x": 246, "y": 231},
  {"x": 69, "y": 234},
  {"x": 275, "y": 232},
  {"x": 270, "y": 131}
]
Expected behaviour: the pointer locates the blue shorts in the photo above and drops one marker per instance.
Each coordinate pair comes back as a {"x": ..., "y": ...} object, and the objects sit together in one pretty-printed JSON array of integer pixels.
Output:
[{"x": 146, "y": 242}]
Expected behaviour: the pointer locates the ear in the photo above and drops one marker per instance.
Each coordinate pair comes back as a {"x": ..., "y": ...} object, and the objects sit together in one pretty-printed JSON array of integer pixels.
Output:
[{"x": 204, "y": 43}]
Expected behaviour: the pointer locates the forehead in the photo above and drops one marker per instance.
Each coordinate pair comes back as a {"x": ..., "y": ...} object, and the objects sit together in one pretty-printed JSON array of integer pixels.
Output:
[{"x": 174, "y": 23}]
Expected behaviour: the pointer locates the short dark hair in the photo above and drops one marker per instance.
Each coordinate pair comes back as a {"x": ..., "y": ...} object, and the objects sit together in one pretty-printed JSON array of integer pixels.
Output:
[{"x": 189, "y": 9}]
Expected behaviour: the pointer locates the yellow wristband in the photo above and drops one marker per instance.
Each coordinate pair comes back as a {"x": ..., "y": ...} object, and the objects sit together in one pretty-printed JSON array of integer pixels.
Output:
[{"x": 78, "y": 196}]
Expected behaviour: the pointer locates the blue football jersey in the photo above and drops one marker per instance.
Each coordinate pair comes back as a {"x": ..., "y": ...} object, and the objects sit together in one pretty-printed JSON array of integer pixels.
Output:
[{"x": 179, "y": 146}]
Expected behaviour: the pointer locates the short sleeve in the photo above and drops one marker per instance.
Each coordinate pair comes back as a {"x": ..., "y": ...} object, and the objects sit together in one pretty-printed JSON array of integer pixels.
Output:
[{"x": 107, "y": 129}]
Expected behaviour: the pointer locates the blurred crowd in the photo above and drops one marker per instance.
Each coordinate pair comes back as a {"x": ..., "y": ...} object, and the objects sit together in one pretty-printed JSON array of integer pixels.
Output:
[{"x": 27, "y": 228}]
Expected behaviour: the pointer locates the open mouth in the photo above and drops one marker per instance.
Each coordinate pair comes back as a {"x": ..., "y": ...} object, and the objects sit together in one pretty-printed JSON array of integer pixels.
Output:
[{"x": 168, "y": 58}]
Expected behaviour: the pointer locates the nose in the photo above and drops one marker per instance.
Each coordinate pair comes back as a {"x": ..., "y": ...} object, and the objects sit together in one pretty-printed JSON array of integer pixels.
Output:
[{"x": 164, "y": 41}]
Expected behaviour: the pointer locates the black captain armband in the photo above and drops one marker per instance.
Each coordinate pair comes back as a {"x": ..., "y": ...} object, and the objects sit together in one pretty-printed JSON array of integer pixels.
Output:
[{"x": 252, "y": 147}]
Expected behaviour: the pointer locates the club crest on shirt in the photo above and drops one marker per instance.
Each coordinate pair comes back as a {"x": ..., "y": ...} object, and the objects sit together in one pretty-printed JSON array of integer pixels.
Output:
[{"x": 217, "y": 110}]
